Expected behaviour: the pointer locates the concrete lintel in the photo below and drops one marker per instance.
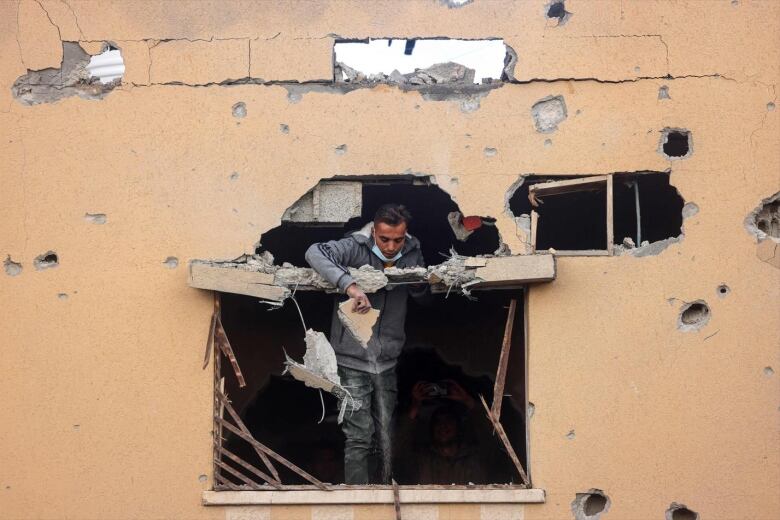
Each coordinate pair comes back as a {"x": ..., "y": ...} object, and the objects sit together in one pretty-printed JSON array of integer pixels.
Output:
[{"x": 379, "y": 495}]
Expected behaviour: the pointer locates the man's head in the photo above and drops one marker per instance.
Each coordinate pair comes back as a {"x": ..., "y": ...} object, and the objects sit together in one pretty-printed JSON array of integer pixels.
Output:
[
  {"x": 390, "y": 223},
  {"x": 445, "y": 426}
]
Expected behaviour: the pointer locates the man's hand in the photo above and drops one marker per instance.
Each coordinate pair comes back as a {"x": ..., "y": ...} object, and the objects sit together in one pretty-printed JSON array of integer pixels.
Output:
[
  {"x": 419, "y": 394},
  {"x": 456, "y": 393},
  {"x": 361, "y": 304}
]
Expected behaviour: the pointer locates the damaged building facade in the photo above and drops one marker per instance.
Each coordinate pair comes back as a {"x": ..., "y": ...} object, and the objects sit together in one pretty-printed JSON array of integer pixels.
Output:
[{"x": 598, "y": 208}]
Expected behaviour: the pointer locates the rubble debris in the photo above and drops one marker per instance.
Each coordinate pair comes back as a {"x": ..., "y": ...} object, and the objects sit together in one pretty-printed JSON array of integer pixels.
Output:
[
  {"x": 12, "y": 268},
  {"x": 548, "y": 113},
  {"x": 645, "y": 248},
  {"x": 764, "y": 221},
  {"x": 328, "y": 202},
  {"x": 676, "y": 143},
  {"x": 693, "y": 316},
  {"x": 680, "y": 512},
  {"x": 71, "y": 79},
  {"x": 256, "y": 275},
  {"x": 47, "y": 260},
  {"x": 455, "y": 218},
  {"x": 320, "y": 370},
  {"x": 449, "y": 73},
  {"x": 590, "y": 505},
  {"x": 360, "y": 326},
  {"x": 320, "y": 357}
]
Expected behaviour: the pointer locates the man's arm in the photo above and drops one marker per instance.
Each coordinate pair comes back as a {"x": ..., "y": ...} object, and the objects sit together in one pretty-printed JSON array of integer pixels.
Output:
[{"x": 330, "y": 259}]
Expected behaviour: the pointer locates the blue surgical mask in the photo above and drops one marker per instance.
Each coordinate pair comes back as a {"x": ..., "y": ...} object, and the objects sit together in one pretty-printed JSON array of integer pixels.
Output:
[{"x": 382, "y": 257}]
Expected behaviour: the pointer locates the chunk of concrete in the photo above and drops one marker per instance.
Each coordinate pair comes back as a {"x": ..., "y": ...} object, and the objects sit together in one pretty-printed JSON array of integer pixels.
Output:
[
  {"x": 329, "y": 202},
  {"x": 360, "y": 326},
  {"x": 320, "y": 357}
]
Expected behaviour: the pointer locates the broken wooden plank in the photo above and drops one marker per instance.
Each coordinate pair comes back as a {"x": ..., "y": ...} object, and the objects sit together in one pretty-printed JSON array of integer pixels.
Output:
[
  {"x": 249, "y": 467},
  {"x": 568, "y": 186},
  {"x": 292, "y": 467},
  {"x": 515, "y": 270},
  {"x": 235, "y": 280},
  {"x": 240, "y": 476},
  {"x": 534, "y": 227},
  {"x": 396, "y": 499},
  {"x": 507, "y": 445},
  {"x": 225, "y": 405},
  {"x": 503, "y": 361},
  {"x": 242, "y": 431},
  {"x": 220, "y": 336}
]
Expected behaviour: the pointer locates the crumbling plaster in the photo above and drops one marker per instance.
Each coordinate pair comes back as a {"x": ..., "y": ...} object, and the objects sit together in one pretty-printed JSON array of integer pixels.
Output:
[{"x": 111, "y": 388}]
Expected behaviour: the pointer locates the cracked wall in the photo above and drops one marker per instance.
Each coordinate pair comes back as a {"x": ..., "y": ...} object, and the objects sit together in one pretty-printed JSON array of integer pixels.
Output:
[{"x": 110, "y": 339}]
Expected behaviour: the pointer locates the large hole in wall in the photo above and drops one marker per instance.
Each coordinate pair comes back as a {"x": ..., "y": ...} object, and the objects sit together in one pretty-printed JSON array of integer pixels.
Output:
[
  {"x": 420, "y": 62},
  {"x": 646, "y": 210},
  {"x": 449, "y": 339},
  {"x": 429, "y": 205}
]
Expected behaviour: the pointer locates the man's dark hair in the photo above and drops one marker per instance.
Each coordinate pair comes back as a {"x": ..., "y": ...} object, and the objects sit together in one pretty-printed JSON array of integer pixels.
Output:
[{"x": 392, "y": 214}]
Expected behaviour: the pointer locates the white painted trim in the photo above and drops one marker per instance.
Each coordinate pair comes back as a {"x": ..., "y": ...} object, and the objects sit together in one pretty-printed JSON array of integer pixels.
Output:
[{"x": 374, "y": 496}]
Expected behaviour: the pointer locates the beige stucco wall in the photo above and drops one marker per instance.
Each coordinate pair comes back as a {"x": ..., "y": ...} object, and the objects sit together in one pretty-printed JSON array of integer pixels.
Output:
[{"x": 106, "y": 412}]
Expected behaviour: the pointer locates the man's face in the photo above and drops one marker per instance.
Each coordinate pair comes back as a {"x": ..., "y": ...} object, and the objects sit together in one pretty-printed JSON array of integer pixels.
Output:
[
  {"x": 389, "y": 239},
  {"x": 445, "y": 429}
]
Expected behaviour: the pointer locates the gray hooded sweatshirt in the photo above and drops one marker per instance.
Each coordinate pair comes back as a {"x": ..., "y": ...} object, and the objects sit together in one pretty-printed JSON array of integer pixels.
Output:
[{"x": 331, "y": 260}]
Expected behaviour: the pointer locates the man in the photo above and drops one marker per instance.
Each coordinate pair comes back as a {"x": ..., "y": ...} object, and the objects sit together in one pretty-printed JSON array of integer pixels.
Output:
[{"x": 369, "y": 373}]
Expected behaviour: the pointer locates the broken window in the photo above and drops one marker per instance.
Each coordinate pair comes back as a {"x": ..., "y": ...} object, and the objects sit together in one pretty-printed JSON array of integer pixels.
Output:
[
  {"x": 600, "y": 215},
  {"x": 467, "y": 352},
  {"x": 421, "y": 62}
]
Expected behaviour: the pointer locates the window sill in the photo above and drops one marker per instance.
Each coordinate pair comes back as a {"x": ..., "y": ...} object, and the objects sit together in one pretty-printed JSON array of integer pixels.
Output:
[{"x": 377, "y": 495}]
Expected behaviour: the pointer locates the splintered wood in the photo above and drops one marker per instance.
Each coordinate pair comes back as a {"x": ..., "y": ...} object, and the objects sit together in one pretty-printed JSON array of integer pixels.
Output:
[
  {"x": 360, "y": 326},
  {"x": 218, "y": 337},
  {"x": 238, "y": 428},
  {"x": 503, "y": 361}
]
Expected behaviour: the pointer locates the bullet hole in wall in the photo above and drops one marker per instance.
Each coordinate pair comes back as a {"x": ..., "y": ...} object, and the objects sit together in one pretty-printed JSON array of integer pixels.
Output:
[
  {"x": 171, "y": 262},
  {"x": 46, "y": 261},
  {"x": 239, "y": 110},
  {"x": 96, "y": 218},
  {"x": 590, "y": 505},
  {"x": 676, "y": 143},
  {"x": 557, "y": 10},
  {"x": 680, "y": 512},
  {"x": 341, "y": 149},
  {"x": 663, "y": 92},
  {"x": 723, "y": 290},
  {"x": 693, "y": 316},
  {"x": 12, "y": 268},
  {"x": 490, "y": 152},
  {"x": 768, "y": 371},
  {"x": 283, "y": 128}
]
